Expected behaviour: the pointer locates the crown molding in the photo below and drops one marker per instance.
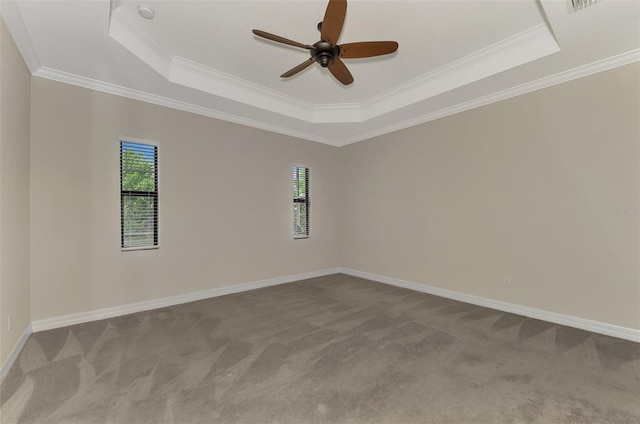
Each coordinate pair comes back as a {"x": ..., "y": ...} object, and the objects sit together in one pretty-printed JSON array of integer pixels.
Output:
[
  {"x": 190, "y": 74},
  {"x": 195, "y": 75},
  {"x": 105, "y": 87},
  {"x": 342, "y": 113},
  {"x": 579, "y": 72},
  {"x": 559, "y": 78},
  {"x": 524, "y": 47},
  {"x": 337, "y": 113}
]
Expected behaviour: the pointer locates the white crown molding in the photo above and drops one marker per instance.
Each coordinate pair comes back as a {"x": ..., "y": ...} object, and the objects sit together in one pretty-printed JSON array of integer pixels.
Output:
[
  {"x": 524, "y": 47},
  {"x": 10, "y": 12},
  {"x": 338, "y": 113},
  {"x": 82, "y": 317},
  {"x": 568, "y": 320},
  {"x": 203, "y": 78},
  {"x": 579, "y": 72},
  {"x": 559, "y": 78},
  {"x": 24, "y": 337},
  {"x": 105, "y": 87},
  {"x": 190, "y": 74},
  {"x": 13, "y": 19}
]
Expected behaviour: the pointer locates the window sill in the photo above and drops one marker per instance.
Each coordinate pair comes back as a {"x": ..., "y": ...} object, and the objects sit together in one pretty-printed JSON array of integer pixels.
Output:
[
  {"x": 300, "y": 237},
  {"x": 134, "y": 249}
]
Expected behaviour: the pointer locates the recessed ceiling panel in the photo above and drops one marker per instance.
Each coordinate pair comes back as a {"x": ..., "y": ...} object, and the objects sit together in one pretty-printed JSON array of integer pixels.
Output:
[
  {"x": 209, "y": 46},
  {"x": 201, "y": 56},
  {"x": 431, "y": 34}
]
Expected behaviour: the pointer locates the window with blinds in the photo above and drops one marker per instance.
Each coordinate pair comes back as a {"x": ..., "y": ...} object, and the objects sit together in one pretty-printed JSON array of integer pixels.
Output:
[
  {"x": 300, "y": 202},
  {"x": 138, "y": 195}
]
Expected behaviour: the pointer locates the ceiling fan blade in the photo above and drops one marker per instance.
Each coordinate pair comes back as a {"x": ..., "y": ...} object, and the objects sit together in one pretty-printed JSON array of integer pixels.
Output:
[
  {"x": 333, "y": 21},
  {"x": 367, "y": 49},
  {"x": 279, "y": 39},
  {"x": 340, "y": 71},
  {"x": 300, "y": 67}
]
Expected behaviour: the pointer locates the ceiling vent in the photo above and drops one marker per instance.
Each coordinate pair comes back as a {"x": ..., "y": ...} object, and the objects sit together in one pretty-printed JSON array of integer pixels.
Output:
[{"x": 577, "y": 5}]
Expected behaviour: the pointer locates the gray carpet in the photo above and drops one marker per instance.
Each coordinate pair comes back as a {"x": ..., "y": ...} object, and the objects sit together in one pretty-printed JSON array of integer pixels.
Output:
[{"x": 335, "y": 349}]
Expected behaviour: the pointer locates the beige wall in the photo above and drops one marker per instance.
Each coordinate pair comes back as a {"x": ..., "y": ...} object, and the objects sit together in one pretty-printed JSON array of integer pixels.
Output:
[
  {"x": 14, "y": 193},
  {"x": 225, "y": 203},
  {"x": 542, "y": 188}
]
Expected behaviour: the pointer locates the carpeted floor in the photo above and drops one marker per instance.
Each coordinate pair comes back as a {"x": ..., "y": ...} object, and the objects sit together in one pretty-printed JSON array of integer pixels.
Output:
[{"x": 335, "y": 349}]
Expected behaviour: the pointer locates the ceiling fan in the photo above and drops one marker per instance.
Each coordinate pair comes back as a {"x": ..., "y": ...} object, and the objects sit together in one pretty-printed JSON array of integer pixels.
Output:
[{"x": 327, "y": 52}]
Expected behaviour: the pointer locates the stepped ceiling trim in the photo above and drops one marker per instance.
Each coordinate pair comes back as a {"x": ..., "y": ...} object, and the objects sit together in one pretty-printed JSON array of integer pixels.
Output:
[
  {"x": 583, "y": 71},
  {"x": 527, "y": 46}
]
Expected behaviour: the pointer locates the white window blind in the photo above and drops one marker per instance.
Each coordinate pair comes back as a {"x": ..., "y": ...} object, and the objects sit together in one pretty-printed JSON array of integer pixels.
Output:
[
  {"x": 301, "y": 208},
  {"x": 138, "y": 195}
]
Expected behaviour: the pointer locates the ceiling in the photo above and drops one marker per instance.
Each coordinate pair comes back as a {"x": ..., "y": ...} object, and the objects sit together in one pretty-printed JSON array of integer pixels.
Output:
[{"x": 201, "y": 56}]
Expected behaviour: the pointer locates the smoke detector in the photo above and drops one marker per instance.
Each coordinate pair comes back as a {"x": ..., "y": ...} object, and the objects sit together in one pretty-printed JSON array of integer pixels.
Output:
[{"x": 146, "y": 12}]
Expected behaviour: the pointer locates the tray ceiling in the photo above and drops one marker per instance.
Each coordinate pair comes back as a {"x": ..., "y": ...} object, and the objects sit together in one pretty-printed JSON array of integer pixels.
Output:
[{"x": 201, "y": 56}]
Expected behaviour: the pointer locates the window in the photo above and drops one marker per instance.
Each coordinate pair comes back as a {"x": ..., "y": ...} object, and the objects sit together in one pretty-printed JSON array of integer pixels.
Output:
[
  {"x": 138, "y": 195},
  {"x": 300, "y": 202}
]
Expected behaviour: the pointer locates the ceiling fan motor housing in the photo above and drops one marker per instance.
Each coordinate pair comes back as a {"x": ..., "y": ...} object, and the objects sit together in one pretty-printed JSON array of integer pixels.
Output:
[{"x": 324, "y": 53}]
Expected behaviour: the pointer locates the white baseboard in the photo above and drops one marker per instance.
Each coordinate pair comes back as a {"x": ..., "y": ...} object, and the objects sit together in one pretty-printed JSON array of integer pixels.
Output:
[
  {"x": 568, "y": 320},
  {"x": 98, "y": 314},
  {"x": 15, "y": 352},
  {"x": 82, "y": 317}
]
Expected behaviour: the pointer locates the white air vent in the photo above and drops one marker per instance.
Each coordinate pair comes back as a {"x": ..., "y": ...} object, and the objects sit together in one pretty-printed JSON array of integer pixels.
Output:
[{"x": 576, "y": 5}]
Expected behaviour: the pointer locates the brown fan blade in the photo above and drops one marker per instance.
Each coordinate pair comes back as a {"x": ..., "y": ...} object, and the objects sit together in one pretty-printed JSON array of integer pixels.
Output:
[
  {"x": 298, "y": 68},
  {"x": 333, "y": 21},
  {"x": 340, "y": 71},
  {"x": 279, "y": 39},
  {"x": 367, "y": 49}
]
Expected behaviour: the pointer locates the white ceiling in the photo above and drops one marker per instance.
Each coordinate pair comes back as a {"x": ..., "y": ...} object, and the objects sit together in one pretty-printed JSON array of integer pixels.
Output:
[{"x": 200, "y": 56}]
